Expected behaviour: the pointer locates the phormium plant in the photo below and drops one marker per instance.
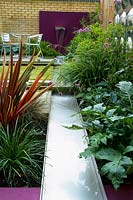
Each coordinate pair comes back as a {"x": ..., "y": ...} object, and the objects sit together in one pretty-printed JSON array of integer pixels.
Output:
[{"x": 15, "y": 95}]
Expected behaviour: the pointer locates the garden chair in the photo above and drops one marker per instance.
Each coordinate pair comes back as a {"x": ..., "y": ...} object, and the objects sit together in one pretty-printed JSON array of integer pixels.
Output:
[
  {"x": 7, "y": 42},
  {"x": 34, "y": 41}
]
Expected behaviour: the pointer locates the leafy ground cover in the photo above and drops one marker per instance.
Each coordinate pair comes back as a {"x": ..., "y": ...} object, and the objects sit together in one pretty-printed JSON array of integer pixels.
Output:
[{"x": 109, "y": 120}]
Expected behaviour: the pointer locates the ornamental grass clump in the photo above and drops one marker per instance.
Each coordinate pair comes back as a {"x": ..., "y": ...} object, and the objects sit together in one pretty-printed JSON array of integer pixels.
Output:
[
  {"x": 96, "y": 55},
  {"x": 15, "y": 95},
  {"x": 21, "y": 156}
]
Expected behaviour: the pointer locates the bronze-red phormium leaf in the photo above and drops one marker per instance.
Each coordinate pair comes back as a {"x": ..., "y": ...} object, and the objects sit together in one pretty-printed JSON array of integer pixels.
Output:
[{"x": 15, "y": 95}]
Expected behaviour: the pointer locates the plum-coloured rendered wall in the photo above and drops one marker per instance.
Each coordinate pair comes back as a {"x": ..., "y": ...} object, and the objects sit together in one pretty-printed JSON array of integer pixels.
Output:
[{"x": 22, "y": 16}]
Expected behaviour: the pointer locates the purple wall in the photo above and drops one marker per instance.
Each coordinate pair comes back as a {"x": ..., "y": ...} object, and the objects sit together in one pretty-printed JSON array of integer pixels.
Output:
[
  {"x": 19, "y": 193},
  {"x": 69, "y": 20},
  {"x": 123, "y": 193}
]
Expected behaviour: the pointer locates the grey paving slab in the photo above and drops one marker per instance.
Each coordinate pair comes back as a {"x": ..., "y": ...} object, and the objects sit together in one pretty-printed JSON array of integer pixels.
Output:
[
  {"x": 25, "y": 60},
  {"x": 66, "y": 176}
]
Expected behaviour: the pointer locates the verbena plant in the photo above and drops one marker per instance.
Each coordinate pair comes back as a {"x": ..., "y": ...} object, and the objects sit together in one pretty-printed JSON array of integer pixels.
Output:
[
  {"x": 21, "y": 156},
  {"x": 96, "y": 56},
  {"x": 93, "y": 32},
  {"x": 15, "y": 94}
]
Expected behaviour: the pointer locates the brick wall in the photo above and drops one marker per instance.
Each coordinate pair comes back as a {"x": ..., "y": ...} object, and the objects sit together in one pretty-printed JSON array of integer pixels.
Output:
[{"x": 22, "y": 16}]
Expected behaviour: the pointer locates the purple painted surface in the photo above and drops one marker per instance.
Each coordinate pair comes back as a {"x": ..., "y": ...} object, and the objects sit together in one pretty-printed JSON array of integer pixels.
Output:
[
  {"x": 68, "y": 20},
  {"x": 19, "y": 193},
  {"x": 125, "y": 192}
]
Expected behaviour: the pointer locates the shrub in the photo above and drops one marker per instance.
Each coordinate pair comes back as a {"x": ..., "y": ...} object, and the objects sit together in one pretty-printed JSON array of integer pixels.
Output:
[
  {"x": 93, "y": 33},
  {"x": 48, "y": 50}
]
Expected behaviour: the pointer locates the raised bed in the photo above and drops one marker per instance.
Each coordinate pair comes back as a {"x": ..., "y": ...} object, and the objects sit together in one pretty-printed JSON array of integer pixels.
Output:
[
  {"x": 124, "y": 192},
  {"x": 27, "y": 193},
  {"x": 65, "y": 175},
  {"x": 19, "y": 193}
]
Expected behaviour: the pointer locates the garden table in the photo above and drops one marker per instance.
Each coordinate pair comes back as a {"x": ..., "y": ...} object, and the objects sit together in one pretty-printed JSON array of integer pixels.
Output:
[{"x": 22, "y": 37}]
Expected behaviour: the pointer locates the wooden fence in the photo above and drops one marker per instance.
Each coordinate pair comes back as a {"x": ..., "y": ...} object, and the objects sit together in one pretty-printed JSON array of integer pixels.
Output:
[{"x": 106, "y": 12}]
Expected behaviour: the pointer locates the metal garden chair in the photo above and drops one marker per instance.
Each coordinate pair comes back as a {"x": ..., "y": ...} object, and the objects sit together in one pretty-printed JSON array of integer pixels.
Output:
[
  {"x": 7, "y": 43},
  {"x": 34, "y": 41}
]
